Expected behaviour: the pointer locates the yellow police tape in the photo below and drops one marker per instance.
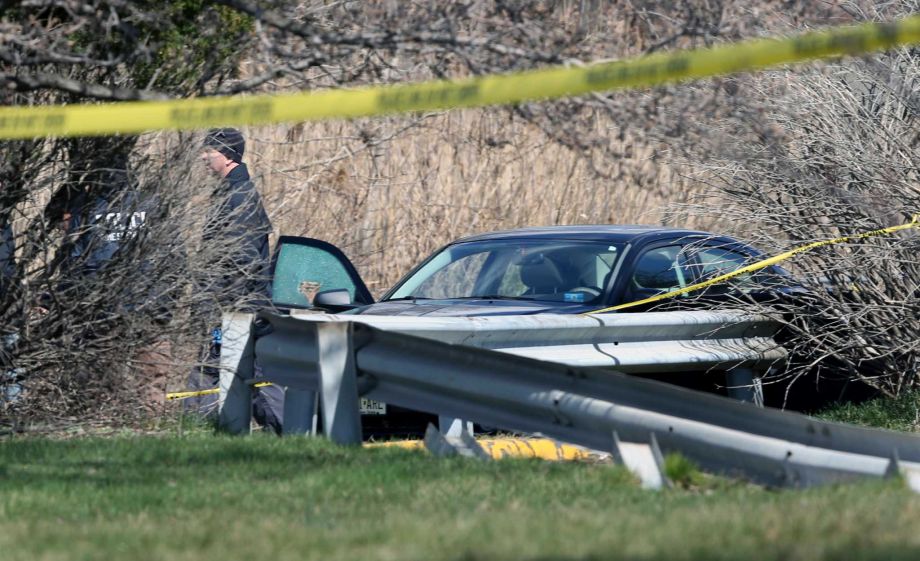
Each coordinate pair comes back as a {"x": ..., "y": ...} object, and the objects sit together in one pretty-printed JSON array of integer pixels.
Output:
[
  {"x": 549, "y": 83},
  {"x": 914, "y": 223},
  {"x": 186, "y": 395},
  {"x": 499, "y": 448}
]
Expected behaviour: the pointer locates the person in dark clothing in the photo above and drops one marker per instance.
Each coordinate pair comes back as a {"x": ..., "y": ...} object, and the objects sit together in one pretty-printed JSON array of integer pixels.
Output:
[
  {"x": 108, "y": 259},
  {"x": 237, "y": 226},
  {"x": 106, "y": 224},
  {"x": 7, "y": 259},
  {"x": 100, "y": 225},
  {"x": 9, "y": 388},
  {"x": 236, "y": 232}
]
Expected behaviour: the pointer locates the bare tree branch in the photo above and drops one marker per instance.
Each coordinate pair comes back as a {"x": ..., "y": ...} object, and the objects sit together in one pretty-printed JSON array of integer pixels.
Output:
[{"x": 39, "y": 81}]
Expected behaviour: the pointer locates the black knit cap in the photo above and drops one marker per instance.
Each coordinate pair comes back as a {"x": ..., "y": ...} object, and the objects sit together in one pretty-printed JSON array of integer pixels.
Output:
[{"x": 228, "y": 142}]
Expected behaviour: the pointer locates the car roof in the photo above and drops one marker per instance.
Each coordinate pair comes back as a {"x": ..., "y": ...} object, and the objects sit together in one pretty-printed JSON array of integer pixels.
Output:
[{"x": 613, "y": 233}]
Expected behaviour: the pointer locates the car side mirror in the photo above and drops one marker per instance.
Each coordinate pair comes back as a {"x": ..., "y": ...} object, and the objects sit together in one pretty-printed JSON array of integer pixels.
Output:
[{"x": 337, "y": 298}]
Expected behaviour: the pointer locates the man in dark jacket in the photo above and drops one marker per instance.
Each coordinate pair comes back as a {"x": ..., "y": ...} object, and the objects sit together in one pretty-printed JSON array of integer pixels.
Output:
[
  {"x": 106, "y": 244},
  {"x": 109, "y": 261},
  {"x": 236, "y": 235},
  {"x": 100, "y": 225},
  {"x": 237, "y": 227}
]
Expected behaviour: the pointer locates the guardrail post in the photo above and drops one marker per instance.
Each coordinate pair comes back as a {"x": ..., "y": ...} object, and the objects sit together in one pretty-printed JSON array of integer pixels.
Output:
[
  {"x": 451, "y": 426},
  {"x": 237, "y": 367},
  {"x": 463, "y": 444},
  {"x": 742, "y": 384},
  {"x": 645, "y": 461},
  {"x": 338, "y": 383},
  {"x": 300, "y": 410}
]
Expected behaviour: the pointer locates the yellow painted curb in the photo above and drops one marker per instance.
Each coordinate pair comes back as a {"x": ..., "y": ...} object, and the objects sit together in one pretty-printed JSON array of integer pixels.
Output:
[{"x": 498, "y": 448}]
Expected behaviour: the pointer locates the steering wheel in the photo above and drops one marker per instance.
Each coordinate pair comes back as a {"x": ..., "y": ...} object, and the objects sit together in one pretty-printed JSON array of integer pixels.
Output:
[{"x": 592, "y": 290}]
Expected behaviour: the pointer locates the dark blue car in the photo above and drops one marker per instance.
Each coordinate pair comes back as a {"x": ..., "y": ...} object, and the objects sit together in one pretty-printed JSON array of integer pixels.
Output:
[{"x": 557, "y": 269}]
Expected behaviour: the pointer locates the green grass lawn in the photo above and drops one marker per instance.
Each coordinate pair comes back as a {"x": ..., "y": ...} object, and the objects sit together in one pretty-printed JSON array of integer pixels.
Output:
[
  {"x": 901, "y": 413},
  {"x": 204, "y": 497}
]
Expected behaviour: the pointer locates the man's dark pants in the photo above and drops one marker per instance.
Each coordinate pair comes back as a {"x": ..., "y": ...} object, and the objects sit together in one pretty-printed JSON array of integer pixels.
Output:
[{"x": 267, "y": 401}]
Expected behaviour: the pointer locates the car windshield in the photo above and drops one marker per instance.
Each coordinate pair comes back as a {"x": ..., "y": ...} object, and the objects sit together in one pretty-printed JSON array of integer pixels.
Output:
[{"x": 545, "y": 270}]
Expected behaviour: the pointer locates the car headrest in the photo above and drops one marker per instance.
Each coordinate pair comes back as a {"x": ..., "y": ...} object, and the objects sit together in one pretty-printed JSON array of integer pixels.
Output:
[
  {"x": 656, "y": 270},
  {"x": 538, "y": 272}
]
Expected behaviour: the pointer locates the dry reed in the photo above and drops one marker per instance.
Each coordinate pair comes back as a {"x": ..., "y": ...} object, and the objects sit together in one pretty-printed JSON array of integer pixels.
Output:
[{"x": 388, "y": 192}]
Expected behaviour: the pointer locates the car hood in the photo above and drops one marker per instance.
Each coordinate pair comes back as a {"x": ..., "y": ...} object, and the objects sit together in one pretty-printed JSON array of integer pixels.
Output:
[{"x": 466, "y": 307}]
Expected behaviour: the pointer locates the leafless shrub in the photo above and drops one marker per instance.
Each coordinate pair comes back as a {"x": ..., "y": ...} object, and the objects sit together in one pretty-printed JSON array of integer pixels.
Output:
[
  {"x": 836, "y": 154},
  {"x": 100, "y": 228},
  {"x": 113, "y": 284}
]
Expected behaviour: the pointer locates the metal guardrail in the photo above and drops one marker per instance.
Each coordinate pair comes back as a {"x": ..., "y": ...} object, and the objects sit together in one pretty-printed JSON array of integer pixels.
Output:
[
  {"x": 632, "y": 343},
  {"x": 739, "y": 343},
  {"x": 342, "y": 360}
]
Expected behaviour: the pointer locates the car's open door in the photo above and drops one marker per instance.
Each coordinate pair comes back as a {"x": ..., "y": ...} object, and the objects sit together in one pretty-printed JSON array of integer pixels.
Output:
[{"x": 303, "y": 267}]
